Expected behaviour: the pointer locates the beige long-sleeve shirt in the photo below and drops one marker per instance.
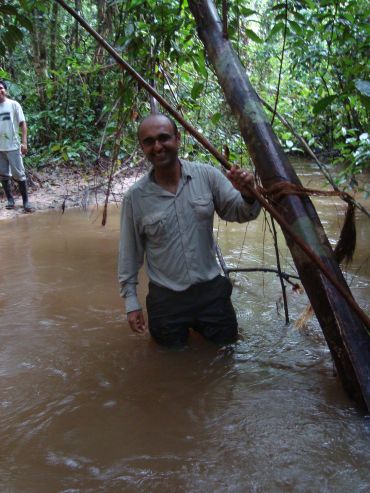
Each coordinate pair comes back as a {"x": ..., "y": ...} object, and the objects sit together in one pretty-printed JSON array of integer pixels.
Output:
[{"x": 174, "y": 232}]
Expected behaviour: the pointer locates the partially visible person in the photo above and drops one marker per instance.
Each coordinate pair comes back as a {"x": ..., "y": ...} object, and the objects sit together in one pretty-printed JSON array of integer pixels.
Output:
[{"x": 12, "y": 148}]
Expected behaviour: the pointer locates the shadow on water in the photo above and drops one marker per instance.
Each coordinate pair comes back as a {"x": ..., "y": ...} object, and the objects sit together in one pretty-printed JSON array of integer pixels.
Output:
[{"x": 88, "y": 407}]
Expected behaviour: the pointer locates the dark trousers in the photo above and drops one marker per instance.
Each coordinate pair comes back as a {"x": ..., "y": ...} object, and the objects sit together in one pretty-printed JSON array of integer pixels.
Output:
[{"x": 205, "y": 307}]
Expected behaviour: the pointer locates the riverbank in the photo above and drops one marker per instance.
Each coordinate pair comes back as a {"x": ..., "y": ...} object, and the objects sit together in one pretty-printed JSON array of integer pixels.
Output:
[{"x": 60, "y": 188}]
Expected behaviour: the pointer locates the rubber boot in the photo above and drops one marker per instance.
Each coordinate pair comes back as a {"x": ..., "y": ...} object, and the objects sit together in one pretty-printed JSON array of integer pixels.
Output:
[
  {"x": 8, "y": 193},
  {"x": 23, "y": 189}
]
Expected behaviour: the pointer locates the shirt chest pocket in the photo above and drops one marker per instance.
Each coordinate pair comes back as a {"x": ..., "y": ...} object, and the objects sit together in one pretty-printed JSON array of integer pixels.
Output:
[
  {"x": 155, "y": 227},
  {"x": 203, "y": 209}
]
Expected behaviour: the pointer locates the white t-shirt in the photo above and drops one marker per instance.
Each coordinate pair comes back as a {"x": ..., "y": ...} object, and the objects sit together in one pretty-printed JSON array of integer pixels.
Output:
[{"x": 11, "y": 115}]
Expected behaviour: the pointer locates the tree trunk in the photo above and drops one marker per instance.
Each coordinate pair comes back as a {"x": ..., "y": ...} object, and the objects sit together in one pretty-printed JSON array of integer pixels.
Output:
[
  {"x": 39, "y": 46},
  {"x": 76, "y": 33},
  {"x": 53, "y": 35},
  {"x": 104, "y": 13},
  {"x": 345, "y": 333}
]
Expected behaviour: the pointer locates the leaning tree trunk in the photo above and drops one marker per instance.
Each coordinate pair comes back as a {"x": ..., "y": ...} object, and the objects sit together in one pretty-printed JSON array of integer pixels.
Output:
[{"x": 345, "y": 333}]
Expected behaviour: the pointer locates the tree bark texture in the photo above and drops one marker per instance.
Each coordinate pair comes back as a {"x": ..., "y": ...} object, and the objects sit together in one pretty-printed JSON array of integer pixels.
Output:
[{"x": 345, "y": 333}]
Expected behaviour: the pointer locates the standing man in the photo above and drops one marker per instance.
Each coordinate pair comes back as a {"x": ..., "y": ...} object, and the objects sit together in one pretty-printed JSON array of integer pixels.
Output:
[
  {"x": 168, "y": 217},
  {"x": 11, "y": 148}
]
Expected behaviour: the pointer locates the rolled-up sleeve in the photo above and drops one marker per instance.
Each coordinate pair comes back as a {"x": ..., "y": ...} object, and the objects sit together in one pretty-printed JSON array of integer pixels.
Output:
[{"x": 131, "y": 255}]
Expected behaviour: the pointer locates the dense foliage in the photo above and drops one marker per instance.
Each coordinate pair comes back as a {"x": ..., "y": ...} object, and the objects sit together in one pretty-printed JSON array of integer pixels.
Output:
[{"x": 306, "y": 58}]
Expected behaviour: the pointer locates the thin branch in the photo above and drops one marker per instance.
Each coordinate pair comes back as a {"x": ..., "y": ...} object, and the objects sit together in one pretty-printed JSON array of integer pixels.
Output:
[
  {"x": 281, "y": 62},
  {"x": 277, "y": 254},
  {"x": 285, "y": 275}
]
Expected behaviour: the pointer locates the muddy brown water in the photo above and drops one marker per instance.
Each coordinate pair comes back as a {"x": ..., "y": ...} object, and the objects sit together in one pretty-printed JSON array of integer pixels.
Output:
[{"x": 86, "y": 406}]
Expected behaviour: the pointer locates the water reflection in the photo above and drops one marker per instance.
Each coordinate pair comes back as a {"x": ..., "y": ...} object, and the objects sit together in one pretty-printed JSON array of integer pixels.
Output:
[{"x": 86, "y": 406}]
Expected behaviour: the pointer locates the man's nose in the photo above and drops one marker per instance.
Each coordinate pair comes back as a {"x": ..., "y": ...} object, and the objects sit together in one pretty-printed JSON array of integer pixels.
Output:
[{"x": 157, "y": 145}]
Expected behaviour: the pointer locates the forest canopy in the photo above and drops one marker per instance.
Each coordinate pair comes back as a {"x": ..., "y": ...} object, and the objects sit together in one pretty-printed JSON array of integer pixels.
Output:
[{"x": 306, "y": 59}]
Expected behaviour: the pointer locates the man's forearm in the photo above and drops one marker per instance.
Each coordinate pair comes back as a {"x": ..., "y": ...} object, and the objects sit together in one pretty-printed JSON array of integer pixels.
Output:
[
  {"x": 128, "y": 293},
  {"x": 23, "y": 126}
]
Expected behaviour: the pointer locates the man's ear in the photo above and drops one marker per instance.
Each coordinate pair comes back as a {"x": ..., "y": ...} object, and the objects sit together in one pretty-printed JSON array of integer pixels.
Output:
[{"x": 178, "y": 138}]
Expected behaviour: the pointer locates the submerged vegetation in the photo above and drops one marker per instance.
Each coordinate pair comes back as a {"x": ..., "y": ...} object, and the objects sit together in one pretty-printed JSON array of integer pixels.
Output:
[{"x": 307, "y": 60}]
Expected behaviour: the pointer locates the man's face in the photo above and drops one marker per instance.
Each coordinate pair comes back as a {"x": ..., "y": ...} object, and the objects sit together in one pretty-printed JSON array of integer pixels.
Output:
[
  {"x": 2, "y": 93},
  {"x": 159, "y": 142}
]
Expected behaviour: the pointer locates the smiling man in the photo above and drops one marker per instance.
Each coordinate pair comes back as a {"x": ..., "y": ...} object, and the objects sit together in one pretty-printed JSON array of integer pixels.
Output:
[
  {"x": 167, "y": 218},
  {"x": 12, "y": 148}
]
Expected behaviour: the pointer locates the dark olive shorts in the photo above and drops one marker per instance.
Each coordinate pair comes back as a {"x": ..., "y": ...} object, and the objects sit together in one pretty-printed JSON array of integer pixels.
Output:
[{"x": 205, "y": 307}]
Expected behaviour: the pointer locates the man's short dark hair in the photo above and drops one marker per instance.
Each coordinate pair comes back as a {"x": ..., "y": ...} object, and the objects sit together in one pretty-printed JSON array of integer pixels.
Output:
[
  {"x": 4, "y": 84},
  {"x": 173, "y": 123}
]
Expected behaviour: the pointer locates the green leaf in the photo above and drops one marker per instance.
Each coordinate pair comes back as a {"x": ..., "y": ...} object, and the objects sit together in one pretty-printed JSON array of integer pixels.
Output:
[
  {"x": 202, "y": 69},
  {"x": 299, "y": 16},
  {"x": 216, "y": 118},
  {"x": 324, "y": 103},
  {"x": 253, "y": 36},
  {"x": 197, "y": 89},
  {"x": 296, "y": 27},
  {"x": 277, "y": 27},
  {"x": 280, "y": 17},
  {"x": 246, "y": 11},
  {"x": 279, "y": 6},
  {"x": 365, "y": 100}
]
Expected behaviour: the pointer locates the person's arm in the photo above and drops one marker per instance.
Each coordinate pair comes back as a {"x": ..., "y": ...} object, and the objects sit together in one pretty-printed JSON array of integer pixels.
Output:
[
  {"x": 24, "y": 147},
  {"x": 131, "y": 254},
  {"x": 232, "y": 197},
  {"x": 242, "y": 181},
  {"x": 18, "y": 116}
]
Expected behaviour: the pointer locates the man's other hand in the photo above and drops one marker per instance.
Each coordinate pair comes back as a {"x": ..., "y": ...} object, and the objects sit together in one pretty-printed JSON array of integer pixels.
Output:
[
  {"x": 136, "y": 321},
  {"x": 242, "y": 180}
]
